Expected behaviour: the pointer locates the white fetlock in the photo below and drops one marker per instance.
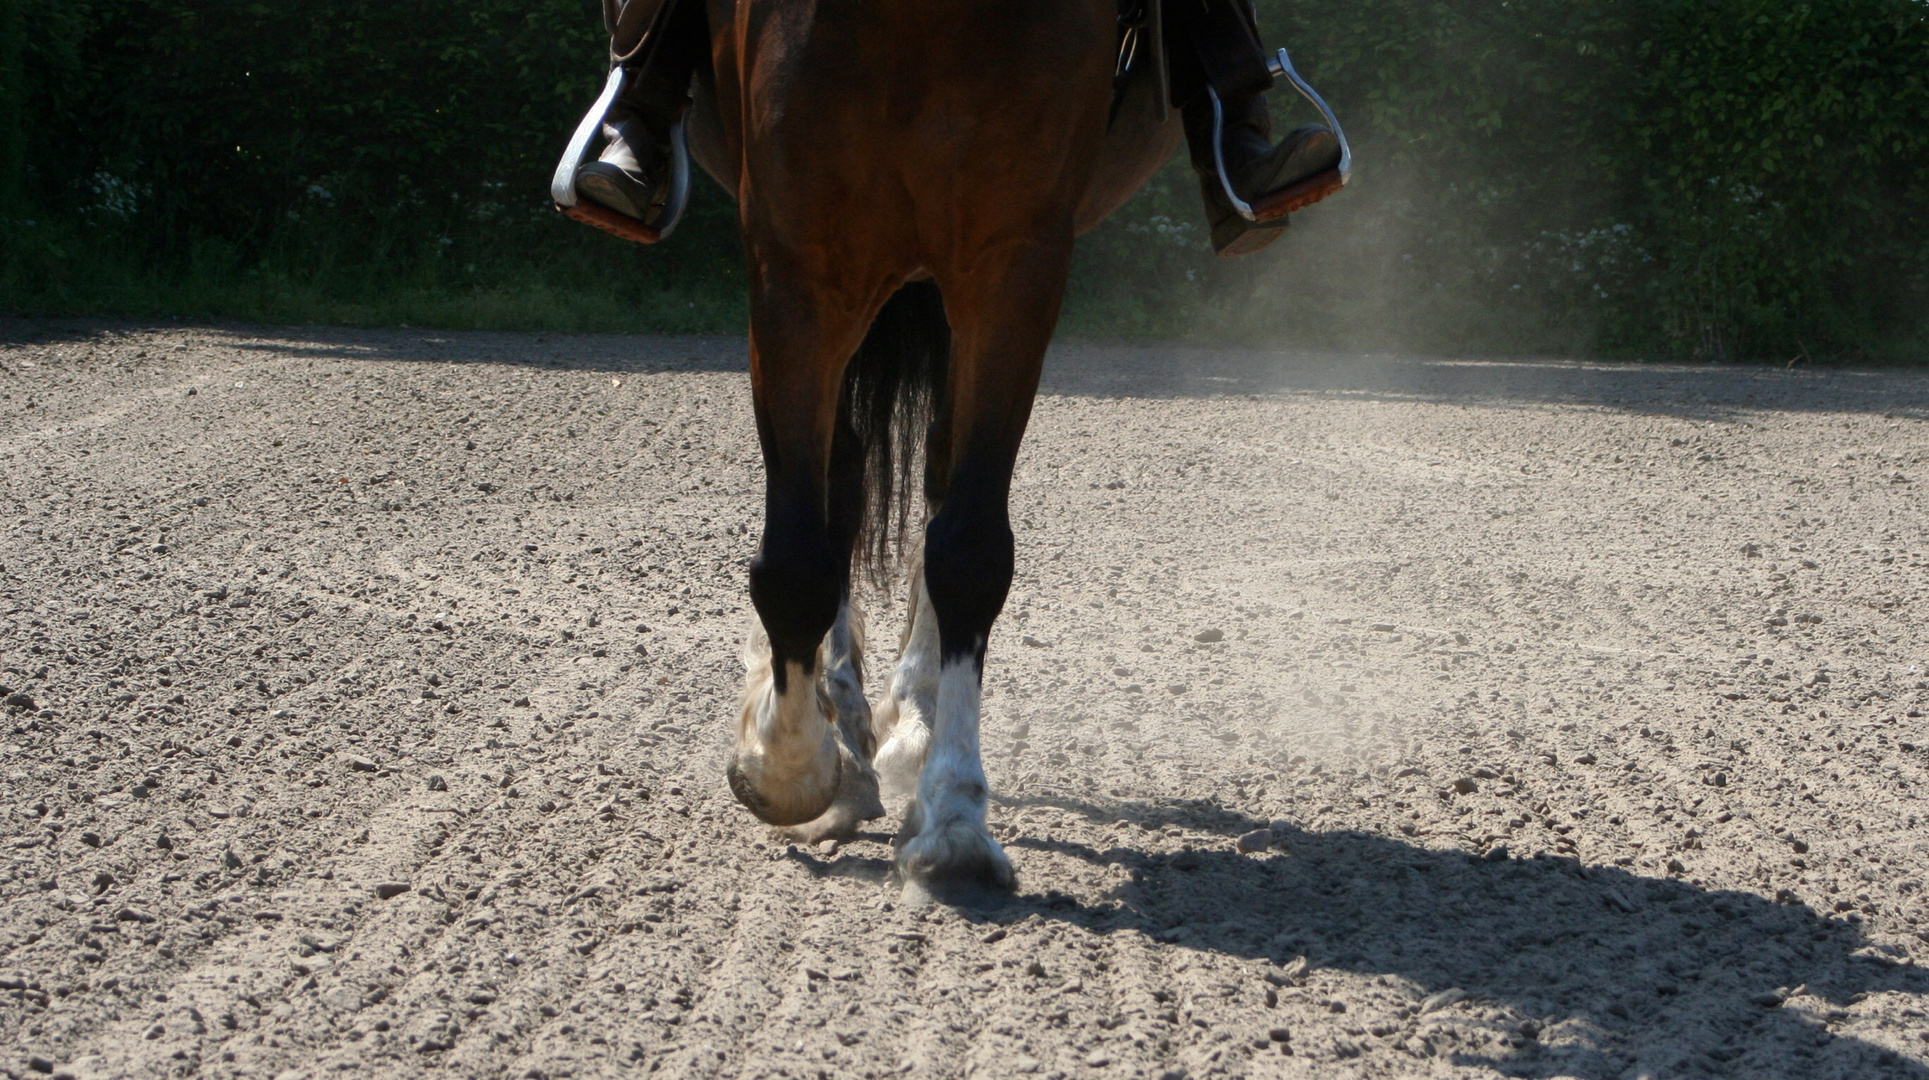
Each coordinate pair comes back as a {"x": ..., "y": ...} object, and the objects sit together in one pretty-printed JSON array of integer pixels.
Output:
[
  {"x": 902, "y": 720},
  {"x": 787, "y": 762},
  {"x": 841, "y": 659},
  {"x": 902, "y": 756}
]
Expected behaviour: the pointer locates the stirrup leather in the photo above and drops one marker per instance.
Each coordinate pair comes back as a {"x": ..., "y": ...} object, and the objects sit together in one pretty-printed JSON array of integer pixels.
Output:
[
  {"x": 1296, "y": 196},
  {"x": 562, "y": 186}
]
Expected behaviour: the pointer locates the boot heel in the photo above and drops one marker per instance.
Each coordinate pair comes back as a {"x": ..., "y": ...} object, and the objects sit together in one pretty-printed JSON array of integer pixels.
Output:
[{"x": 1236, "y": 236}]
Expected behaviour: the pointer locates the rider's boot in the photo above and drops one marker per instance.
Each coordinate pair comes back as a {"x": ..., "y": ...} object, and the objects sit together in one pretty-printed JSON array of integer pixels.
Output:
[
  {"x": 627, "y": 176},
  {"x": 1255, "y": 167},
  {"x": 661, "y": 41}
]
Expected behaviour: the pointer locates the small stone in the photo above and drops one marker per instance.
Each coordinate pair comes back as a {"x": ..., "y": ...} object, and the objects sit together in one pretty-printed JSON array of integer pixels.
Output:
[
  {"x": 1279, "y": 1034},
  {"x": 1771, "y": 999},
  {"x": 520, "y": 703},
  {"x": 389, "y": 890},
  {"x": 230, "y": 860},
  {"x": 1253, "y": 842},
  {"x": 1209, "y": 635},
  {"x": 1465, "y": 786},
  {"x": 1032, "y": 641},
  {"x": 436, "y": 783},
  {"x": 1438, "y": 1001},
  {"x": 1529, "y": 1029},
  {"x": 1497, "y": 853},
  {"x": 1382, "y": 628},
  {"x": 1586, "y": 759},
  {"x": 1675, "y": 867},
  {"x": 1098, "y": 1059},
  {"x": 19, "y": 701},
  {"x": 40, "y": 1064},
  {"x": 360, "y": 764},
  {"x": 994, "y": 937},
  {"x": 1177, "y": 688},
  {"x": 1035, "y": 969},
  {"x": 1484, "y": 773}
]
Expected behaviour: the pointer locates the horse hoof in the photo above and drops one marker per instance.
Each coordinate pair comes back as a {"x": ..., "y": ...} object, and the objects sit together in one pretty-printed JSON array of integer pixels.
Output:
[
  {"x": 957, "y": 863},
  {"x": 967, "y": 894},
  {"x": 857, "y": 802},
  {"x": 800, "y": 800}
]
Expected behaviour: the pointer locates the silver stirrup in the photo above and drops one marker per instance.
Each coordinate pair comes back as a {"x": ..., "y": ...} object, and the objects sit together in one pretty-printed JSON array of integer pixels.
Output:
[
  {"x": 1281, "y": 67},
  {"x": 562, "y": 186}
]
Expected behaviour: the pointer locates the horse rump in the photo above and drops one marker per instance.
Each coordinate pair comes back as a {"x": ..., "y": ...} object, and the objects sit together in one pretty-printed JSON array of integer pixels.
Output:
[{"x": 892, "y": 390}]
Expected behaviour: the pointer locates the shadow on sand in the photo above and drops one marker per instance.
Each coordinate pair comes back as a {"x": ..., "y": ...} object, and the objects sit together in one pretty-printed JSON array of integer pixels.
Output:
[{"x": 1630, "y": 975}]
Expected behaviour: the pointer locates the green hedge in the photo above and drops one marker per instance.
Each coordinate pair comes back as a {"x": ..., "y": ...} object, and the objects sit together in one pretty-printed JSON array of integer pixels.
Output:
[{"x": 1716, "y": 178}]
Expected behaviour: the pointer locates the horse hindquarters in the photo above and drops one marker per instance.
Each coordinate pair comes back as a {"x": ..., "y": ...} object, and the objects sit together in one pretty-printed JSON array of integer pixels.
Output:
[{"x": 861, "y": 165}]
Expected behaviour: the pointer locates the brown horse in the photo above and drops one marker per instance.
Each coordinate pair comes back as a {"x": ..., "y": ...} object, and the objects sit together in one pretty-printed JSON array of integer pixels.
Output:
[{"x": 910, "y": 176}]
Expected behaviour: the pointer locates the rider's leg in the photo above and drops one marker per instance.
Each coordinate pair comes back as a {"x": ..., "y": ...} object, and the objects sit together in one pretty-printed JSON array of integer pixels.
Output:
[
  {"x": 1224, "y": 53},
  {"x": 630, "y": 172}
]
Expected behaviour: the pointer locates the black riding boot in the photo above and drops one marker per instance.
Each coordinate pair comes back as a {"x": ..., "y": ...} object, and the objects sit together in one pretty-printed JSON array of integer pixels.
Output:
[
  {"x": 1254, "y": 165},
  {"x": 1213, "y": 45},
  {"x": 661, "y": 45},
  {"x": 629, "y": 175}
]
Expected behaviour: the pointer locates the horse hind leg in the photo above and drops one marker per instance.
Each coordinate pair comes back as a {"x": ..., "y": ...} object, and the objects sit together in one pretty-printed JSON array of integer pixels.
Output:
[
  {"x": 902, "y": 721},
  {"x": 842, "y": 660},
  {"x": 1003, "y": 305}
]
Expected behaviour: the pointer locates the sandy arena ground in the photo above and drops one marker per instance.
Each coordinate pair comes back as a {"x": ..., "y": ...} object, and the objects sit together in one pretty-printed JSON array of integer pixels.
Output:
[{"x": 367, "y": 696}]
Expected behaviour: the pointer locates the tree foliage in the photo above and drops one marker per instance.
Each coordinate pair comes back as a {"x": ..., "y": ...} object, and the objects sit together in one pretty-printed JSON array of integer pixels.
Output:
[{"x": 1723, "y": 178}]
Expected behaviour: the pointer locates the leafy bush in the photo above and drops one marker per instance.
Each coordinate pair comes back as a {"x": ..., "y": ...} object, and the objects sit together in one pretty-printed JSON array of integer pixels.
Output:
[
  {"x": 219, "y": 154},
  {"x": 1718, "y": 178}
]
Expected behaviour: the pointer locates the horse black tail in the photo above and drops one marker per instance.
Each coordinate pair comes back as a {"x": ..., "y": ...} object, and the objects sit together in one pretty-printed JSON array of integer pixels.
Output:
[{"x": 891, "y": 391}]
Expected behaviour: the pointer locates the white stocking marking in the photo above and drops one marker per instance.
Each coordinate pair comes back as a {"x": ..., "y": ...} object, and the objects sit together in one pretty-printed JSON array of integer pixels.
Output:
[
  {"x": 903, "y": 718},
  {"x": 951, "y": 840},
  {"x": 952, "y": 786}
]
